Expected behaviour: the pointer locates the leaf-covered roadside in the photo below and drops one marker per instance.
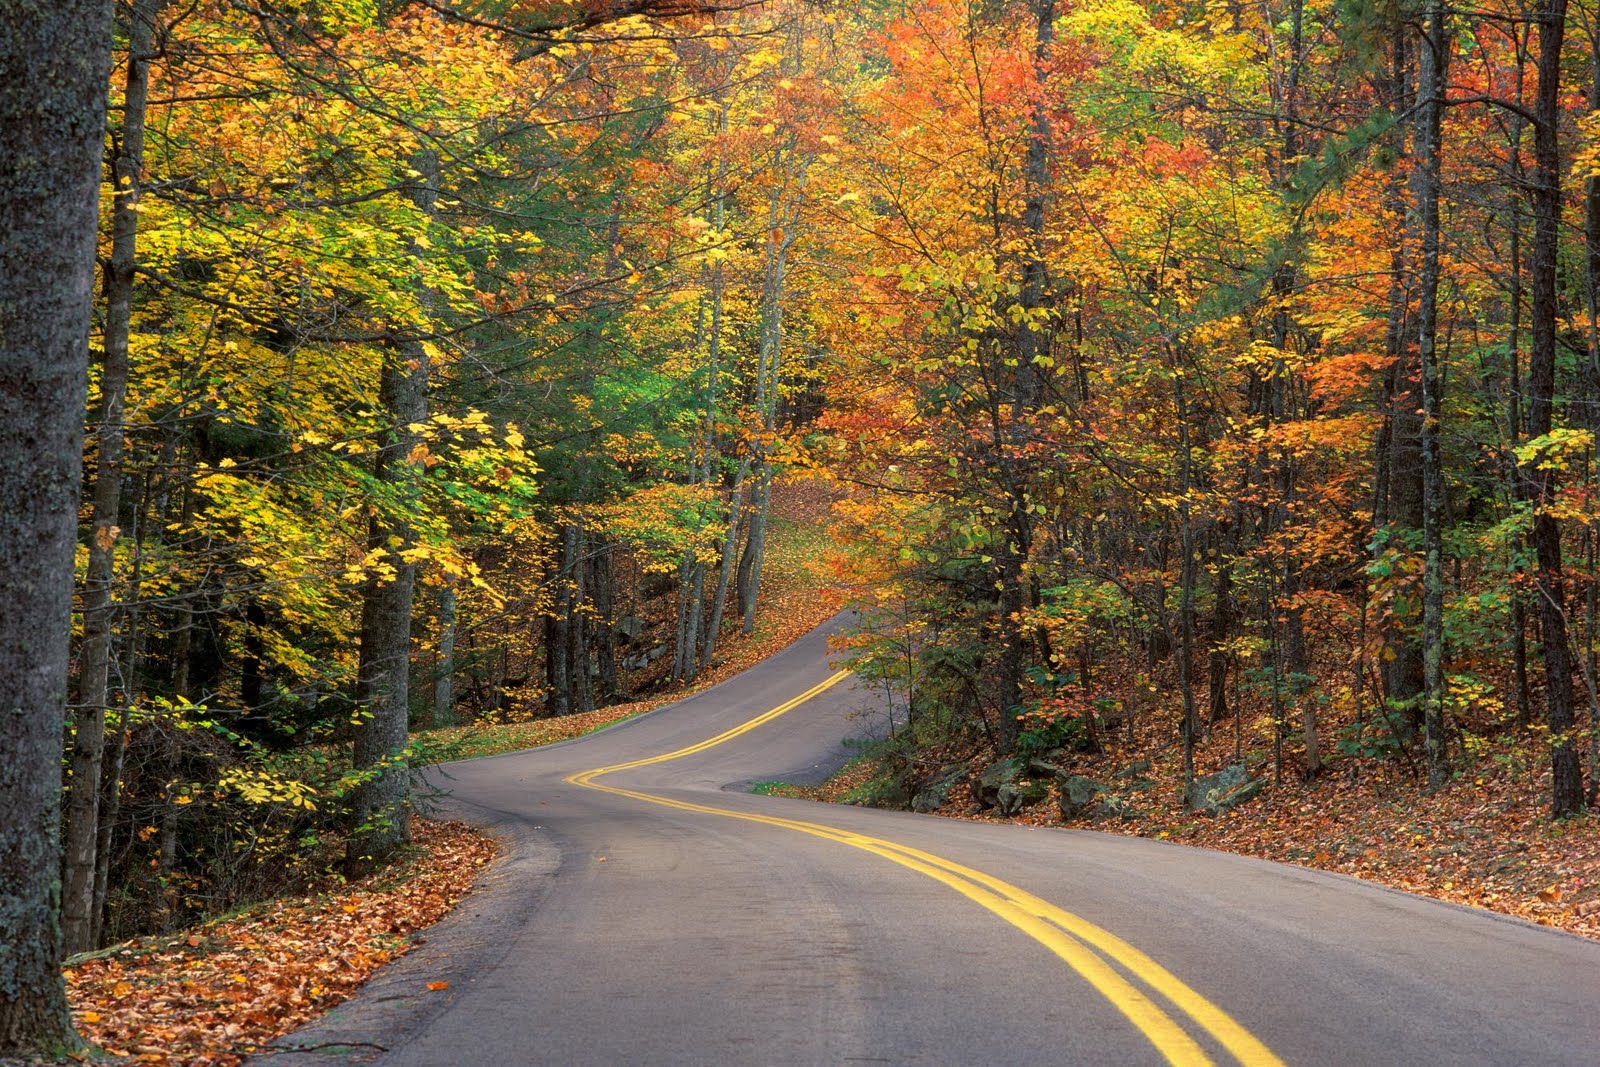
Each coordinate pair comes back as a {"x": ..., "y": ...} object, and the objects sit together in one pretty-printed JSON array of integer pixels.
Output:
[
  {"x": 1485, "y": 841},
  {"x": 220, "y": 991}
]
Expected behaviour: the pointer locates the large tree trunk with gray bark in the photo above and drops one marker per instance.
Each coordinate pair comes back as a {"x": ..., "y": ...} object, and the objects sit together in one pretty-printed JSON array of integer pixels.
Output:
[{"x": 55, "y": 59}]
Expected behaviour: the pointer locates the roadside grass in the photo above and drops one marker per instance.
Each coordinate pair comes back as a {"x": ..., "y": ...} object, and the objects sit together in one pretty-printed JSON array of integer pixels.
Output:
[
  {"x": 776, "y": 788},
  {"x": 857, "y": 783},
  {"x": 851, "y": 784},
  {"x": 474, "y": 740}
]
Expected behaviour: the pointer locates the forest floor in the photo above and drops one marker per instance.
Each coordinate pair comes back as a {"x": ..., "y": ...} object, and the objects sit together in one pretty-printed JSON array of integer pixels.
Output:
[
  {"x": 1486, "y": 840},
  {"x": 218, "y": 992}
]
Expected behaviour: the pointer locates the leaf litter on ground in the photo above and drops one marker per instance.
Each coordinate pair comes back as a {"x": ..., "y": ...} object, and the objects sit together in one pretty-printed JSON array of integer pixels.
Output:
[{"x": 214, "y": 994}]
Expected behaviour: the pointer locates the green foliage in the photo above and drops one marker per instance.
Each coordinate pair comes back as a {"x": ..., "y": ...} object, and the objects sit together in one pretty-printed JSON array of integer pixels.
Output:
[
  {"x": 1372, "y": 740},
  {"x": 776, "y": 788}
]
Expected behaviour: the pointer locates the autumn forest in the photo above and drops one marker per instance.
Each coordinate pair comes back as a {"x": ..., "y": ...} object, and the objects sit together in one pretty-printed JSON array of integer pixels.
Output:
[{"x": 1213, "y": 374}]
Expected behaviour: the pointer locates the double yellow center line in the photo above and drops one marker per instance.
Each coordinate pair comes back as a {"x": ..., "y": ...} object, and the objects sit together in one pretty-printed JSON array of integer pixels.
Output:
[{"x": 1094, "y": 953}]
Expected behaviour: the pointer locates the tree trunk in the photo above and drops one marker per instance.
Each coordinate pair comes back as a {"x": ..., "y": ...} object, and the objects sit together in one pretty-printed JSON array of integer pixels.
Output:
[
  {"x": 578, "y": 667},
  {"x": 52, "y": 123},
  {"x": 1297, "y": 666},
  {"x": 1013, "y": 642},
  {"x": 709, "y": 469},
  {"x": 1591, "y": 242},
  {"x": 1591, "y": 610},
  {"x": 557, "y": 629},
  {"x": 755, "y": 547},
  {"x": 111, "y": 777},
  {"x": 252, "y": 656},
  {"x": 697, "y": 612},
  {"x": 725, "y": 573},
  {"x": 680, "y": 624},
  {"x": 182, "y": 625},
  {"x": 1296, "y": 660},
  {"x": 383, "y": 693},
  {"x": 1402, "y": 660},
  {"x": 1275, "y": 658},
  {"x": 1222, "y": 623},
  {"x": 1519, "y": 608},
  {"x": 110, "y": 810},
  {"x": 1433, "y": 60},
  {"x": 1190, "y": 726},
  {"x": 1033, "y": 342},
  {"x": 99, "y": 607},
  {"x": 604, "y": 580},
  {"x": 444, "y": 685},
  {"x": 1566, "y": 794},
  {"x": 383, "y": 682},
  {"x": 768, "y": 361},
  {"x": 1591, "y": 290}
]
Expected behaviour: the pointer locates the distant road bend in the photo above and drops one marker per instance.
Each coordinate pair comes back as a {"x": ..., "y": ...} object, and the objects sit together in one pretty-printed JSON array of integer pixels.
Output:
[{"x": 652, "y": 911}]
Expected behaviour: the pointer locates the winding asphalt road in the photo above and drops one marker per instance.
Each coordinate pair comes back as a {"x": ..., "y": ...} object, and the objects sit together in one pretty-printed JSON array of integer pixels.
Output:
[{"x": 653, "y": 911}]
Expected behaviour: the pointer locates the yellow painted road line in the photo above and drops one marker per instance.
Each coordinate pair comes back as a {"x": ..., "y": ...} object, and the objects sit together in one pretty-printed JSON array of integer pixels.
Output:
[
  {"x": 1168, "y": 1037},
  {"x": 1071, "y": 938},
  {"x": 1242, "y": 1044},
  {"x": 711, "y": 742}
]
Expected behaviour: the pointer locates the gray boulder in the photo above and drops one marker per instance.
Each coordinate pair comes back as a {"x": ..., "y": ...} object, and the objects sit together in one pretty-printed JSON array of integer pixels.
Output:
[
  {"x": 1077, "y": 793},
  {"x": 639, "y": 661},
  {"x": 1043, "y": 768},
  {"x": 1112, "y": 806},
  {"x": 936, "y": 793},
  {"x": 1136, "y": 769},
  {"x": 1216, "y": 793},
  {"x": 986, "y": 787},
  {"x": 1012, "y": 797}
]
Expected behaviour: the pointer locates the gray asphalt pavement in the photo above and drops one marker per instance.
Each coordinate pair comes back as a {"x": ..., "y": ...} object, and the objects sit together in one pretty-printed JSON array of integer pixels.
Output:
[{"x": 660, "y": 914}]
